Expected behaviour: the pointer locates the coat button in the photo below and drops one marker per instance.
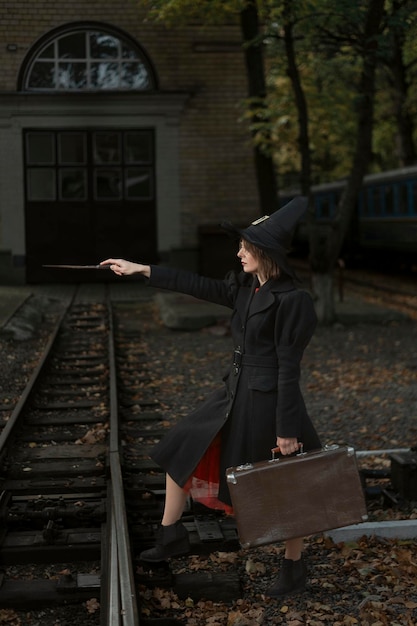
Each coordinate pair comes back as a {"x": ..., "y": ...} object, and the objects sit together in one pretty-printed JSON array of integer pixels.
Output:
[{"x": 227, "y": 414}]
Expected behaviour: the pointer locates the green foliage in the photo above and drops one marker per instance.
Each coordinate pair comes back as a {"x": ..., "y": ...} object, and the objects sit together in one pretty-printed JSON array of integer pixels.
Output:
[
  {"x": 329, "y": 39},
  {"x": 331, "y": 105},
  {"x": 176, "y": 12}
]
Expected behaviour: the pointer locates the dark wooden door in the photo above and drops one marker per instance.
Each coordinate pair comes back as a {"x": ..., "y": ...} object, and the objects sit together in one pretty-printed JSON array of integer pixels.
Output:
[{"x": 90, "y": 194}]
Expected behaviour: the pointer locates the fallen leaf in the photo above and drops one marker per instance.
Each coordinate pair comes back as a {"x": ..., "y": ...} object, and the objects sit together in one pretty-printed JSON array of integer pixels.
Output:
[{"x": 92, "y": 605}]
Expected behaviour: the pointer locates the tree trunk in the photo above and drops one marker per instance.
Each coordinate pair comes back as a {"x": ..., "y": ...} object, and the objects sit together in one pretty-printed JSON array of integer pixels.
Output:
[
  {"x": 363, "y": 149},
  {"x": 300, "y": 101},
  {"x": 264, "y": 165},
  {"x": 322, "y": 269},
  {"x": 405, "y": 125},
  {"x": 324, "y": 261},
  {"x": 322, "y": 285}
]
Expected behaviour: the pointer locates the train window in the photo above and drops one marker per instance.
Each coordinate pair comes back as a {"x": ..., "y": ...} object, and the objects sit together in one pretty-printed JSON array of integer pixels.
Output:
[
  {"x": 402, "y": 202},
  {"x": 323, "y": 206},
  {"x": 362, "y": 203},
  {"x": 389, "y": 205},
  {"x": 369, "y": 203},
  {"x": 413, "y": 199},
  {"x": 377, "y": 202}
]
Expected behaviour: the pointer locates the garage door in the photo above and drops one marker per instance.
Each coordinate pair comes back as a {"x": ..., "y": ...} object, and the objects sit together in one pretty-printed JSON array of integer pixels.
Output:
[{"x": 90, "y": 194}]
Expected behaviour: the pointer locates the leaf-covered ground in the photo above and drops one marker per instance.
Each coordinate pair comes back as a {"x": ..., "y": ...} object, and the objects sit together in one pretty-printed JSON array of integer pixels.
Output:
[
  {"x": 360, "y": 386},
  {"x": 371, "y": 582}
]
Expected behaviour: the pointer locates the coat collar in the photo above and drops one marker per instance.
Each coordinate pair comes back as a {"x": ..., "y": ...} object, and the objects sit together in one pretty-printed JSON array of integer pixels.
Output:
[{"x": 266, "y": 296}]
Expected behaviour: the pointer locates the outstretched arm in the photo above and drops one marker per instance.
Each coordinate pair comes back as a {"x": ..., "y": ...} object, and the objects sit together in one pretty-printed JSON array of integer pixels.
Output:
[{"x": 127, "y": 268}]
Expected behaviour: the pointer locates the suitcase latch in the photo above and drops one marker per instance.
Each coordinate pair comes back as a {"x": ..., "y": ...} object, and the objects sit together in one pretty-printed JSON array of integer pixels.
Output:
[{"x": 231, "y": 476}]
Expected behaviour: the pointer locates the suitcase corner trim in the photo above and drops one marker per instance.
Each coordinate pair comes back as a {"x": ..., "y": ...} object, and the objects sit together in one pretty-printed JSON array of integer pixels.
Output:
[{"x": 231, "y": 472}]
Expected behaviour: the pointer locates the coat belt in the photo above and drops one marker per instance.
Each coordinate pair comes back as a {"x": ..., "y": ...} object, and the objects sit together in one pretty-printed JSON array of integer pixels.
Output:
[{"x": 240, "y": 359}]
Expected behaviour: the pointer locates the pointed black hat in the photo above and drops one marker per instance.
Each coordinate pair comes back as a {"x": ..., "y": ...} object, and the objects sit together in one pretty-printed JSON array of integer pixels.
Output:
[{"x": 274, "y": 233}]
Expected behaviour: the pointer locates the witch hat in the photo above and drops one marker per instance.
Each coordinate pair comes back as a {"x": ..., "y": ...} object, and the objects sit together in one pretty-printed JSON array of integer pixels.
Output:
[{"x": 274, "y": 233}]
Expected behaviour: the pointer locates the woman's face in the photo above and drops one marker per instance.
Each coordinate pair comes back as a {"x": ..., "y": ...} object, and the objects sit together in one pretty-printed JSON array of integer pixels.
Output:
[{"x": 250, "y": 263}]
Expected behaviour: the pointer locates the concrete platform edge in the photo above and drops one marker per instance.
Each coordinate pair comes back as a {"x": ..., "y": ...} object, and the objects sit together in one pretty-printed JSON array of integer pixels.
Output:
[{"x": 395, "y": 529}]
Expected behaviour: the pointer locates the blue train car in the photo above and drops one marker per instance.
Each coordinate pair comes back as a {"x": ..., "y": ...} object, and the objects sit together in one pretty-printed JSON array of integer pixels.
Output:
[
  {"x": 387, "y": 211},
  {"x": 386, "y": 214}
]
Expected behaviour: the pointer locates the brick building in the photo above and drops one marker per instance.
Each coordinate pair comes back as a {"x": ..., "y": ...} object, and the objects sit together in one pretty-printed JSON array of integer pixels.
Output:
[{"x": 118, "y": 136}]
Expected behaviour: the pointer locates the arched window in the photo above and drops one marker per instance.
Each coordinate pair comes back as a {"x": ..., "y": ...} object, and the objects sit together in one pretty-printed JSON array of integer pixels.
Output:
[{"x": 87, "y": 58}]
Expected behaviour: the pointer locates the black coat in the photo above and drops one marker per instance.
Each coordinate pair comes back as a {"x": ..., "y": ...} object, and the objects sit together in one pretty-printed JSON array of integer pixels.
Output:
[{"x": 261, "y": 397}]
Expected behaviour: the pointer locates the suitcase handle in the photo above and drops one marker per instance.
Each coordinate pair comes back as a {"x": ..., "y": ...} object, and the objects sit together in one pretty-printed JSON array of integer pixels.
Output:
[{"x": 277, "y": 450}]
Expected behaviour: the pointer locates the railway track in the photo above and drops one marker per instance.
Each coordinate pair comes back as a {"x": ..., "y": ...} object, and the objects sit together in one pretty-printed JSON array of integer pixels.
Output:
[{"x": 61, "y": 484}]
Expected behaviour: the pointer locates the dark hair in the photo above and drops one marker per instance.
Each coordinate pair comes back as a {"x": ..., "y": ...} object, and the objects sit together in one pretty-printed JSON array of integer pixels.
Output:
[{"x": 267, "y": 266}]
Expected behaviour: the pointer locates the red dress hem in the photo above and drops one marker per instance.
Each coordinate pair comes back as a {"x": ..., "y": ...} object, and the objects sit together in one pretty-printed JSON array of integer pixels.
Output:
[{"x": 203, "y": 484}]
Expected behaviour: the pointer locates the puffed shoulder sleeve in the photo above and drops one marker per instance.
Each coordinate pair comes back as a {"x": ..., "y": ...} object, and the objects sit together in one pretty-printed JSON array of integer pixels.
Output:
[{"x": 295, "y": 324}]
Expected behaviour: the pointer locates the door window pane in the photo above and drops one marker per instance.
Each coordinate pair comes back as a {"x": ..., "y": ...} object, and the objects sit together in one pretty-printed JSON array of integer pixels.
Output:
[
  {"x": 138, "y": 183},
  {"x": 41, "y": 184},
  {"x": 40, "y": 149},
  {"x": 71, "y": 148},
  {"x": 72, "y": 184},
  {"x": 138, "y": 147},
  {"x": 83, "y": 165},
  {"x": 107, "y": 184},
  {"x": 107, "y": 147}
]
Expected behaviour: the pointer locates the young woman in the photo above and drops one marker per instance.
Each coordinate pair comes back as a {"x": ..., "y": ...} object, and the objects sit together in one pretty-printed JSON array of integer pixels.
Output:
[{"x": 260, "y": 405}]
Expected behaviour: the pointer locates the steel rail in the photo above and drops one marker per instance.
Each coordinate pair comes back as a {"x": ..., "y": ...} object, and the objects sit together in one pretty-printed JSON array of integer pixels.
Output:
[
  {"x": 25, "y": 395},
  {"x": 122, "y": 604}
]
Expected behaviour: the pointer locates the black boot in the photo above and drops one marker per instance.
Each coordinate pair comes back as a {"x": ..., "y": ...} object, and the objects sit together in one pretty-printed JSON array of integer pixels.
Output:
[
  {"x": 291, "y": 579},
  {"x": 171, "y": 540}
]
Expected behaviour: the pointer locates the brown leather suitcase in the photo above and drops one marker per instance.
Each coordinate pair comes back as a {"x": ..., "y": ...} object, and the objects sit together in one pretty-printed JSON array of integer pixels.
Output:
[{"x": 296, "y": 496}]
